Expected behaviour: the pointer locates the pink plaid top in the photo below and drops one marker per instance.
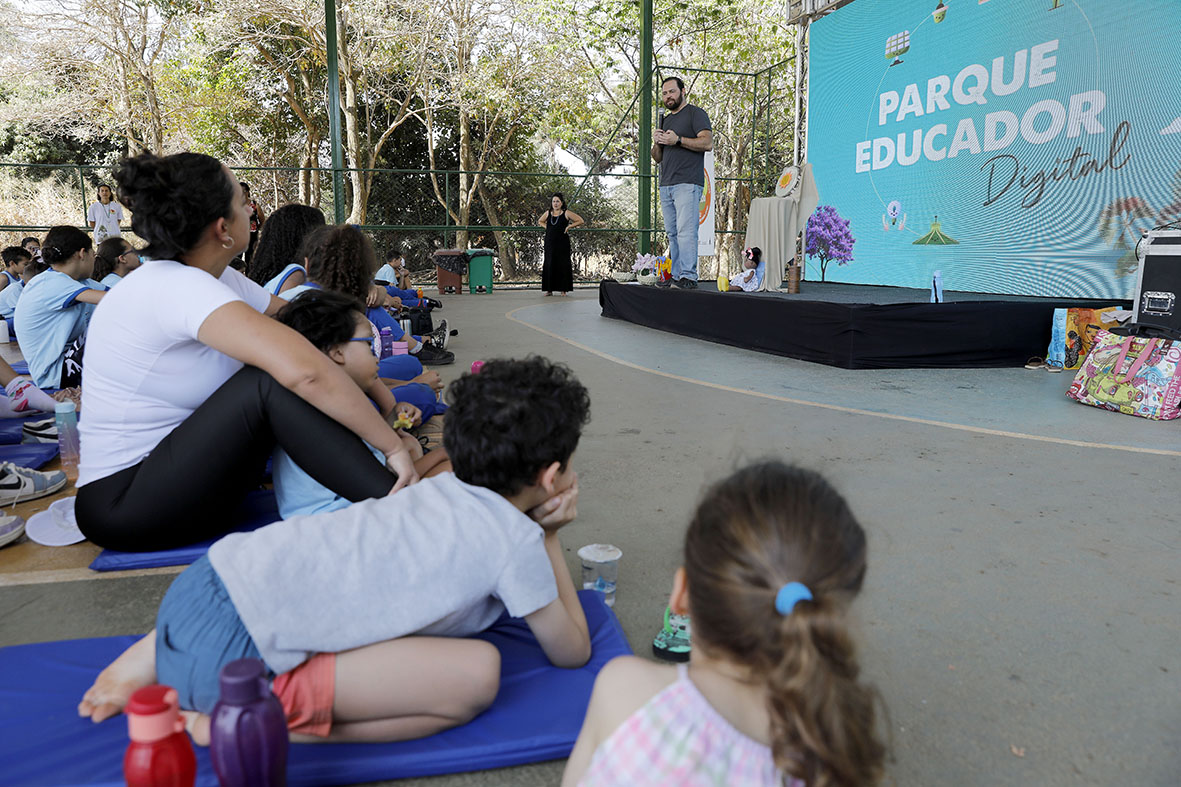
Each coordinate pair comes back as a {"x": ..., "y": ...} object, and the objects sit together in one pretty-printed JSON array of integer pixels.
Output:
[{"x": 678, "y": 738}]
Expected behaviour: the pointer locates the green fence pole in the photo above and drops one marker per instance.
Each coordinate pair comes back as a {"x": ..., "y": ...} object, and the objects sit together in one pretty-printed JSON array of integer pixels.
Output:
[
  {"x": 645, "y": 156},
  {"x": 334, "y": 111},
  {"x": 446, "y": 209},
  {"x": 82, "y": 192}
]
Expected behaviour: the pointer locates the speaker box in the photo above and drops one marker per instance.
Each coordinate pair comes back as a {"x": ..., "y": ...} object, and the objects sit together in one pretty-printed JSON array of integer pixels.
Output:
[{"x": 1157, "y": 303}]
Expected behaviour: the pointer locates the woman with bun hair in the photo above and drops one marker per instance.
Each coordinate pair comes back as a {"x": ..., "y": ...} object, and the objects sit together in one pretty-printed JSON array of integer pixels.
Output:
[
  {"x": 54, "y": 309},
  {"x": 187, "y": 396}
]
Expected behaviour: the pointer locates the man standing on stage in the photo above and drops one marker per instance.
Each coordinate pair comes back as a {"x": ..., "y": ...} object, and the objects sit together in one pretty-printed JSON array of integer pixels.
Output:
[{"x": 681, "y": 142}]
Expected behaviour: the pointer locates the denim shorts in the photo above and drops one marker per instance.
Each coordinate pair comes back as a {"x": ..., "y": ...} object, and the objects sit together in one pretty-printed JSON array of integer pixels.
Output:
[{"x": 198, "y": 632}]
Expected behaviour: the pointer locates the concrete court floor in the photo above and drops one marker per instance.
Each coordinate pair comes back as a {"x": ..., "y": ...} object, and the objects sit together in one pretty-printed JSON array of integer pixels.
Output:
[{"x": 1020, "y": 614}]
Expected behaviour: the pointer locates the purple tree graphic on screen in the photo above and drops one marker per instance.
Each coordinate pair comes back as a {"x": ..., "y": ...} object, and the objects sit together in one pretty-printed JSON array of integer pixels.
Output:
[{"x": 829, "y": 238}]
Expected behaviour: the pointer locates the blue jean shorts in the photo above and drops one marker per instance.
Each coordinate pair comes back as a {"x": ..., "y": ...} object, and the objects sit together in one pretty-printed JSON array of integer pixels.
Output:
[{"x": 198, "y": 632}]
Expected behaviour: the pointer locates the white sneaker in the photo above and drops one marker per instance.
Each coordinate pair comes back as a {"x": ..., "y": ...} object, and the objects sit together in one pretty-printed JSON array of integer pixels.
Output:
[
  {"x": 11, "y": 528},
  {"x": 18, "y": 484},
  {"x": 40, "y": 431}
]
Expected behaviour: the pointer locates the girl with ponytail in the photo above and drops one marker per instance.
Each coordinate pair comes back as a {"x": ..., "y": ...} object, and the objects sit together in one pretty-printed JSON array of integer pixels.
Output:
[{"x": 770, "y": 696}]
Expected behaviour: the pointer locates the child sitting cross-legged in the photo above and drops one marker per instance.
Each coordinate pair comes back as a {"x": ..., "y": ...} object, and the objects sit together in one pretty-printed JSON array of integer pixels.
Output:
[
  {"x": 773, "y": 559},
  {"x": 361, "y": 615},
  {"x": 336, "y": 325}
]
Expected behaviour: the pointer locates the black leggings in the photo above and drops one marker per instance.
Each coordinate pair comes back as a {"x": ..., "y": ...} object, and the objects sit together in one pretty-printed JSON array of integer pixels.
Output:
[{"x": 187, "y": 488}]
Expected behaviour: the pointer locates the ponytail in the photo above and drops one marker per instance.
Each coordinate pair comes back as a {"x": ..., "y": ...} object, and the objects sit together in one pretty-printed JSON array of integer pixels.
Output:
[
  {"x": 765, "y": 527},
  {"x": 822, "y": 719},
  {"x": 106, "y": 257},
  {"x": 63, "y": 242}
]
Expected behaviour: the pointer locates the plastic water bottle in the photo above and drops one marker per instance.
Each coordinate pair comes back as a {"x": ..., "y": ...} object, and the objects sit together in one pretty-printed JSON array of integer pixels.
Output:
[
  {"x": 248, "y": 729},
  {"x": 160, "y": 754},
  {"x": 387, "y": 342},
  {"x": 65, "y": 414},
  {"x": 937, "y": 287}
]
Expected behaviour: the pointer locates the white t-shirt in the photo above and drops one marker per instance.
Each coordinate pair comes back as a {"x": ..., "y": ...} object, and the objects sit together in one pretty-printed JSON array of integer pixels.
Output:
[
  {"x": 145, "y": 371},
  {"x": 48, "y": 317},
  {"x": 387, "y": 273},
  {"x": 106, "y": 220},
  {"x": 440, "y": 558}
]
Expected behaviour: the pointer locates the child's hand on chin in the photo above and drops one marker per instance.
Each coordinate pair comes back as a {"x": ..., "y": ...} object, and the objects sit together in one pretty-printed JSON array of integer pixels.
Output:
[{"x": 560, "y": 510}]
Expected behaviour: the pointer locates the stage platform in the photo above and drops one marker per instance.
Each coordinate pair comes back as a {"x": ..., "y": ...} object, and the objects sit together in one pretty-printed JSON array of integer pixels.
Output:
[{"x": 852, "y": 326}]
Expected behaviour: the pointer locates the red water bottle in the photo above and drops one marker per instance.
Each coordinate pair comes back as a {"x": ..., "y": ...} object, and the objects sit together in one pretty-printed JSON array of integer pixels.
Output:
[{"x": 160, "y": 754}]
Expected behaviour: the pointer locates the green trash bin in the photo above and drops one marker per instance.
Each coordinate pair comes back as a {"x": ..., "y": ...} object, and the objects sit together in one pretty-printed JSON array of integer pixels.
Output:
[{"x": 479, "y": 270}]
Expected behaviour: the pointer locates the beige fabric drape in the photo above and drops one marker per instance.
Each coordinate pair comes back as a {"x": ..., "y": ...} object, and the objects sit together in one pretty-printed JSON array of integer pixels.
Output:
[{"x": 774, "y": 222}]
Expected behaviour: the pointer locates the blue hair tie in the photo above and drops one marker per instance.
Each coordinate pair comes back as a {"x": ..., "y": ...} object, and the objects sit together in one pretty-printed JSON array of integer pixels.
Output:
[{"x": 789, "y": 595}]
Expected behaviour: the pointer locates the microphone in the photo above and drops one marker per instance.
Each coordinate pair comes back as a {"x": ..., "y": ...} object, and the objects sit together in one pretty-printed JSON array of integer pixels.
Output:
[{"x": 660, "y": 120}]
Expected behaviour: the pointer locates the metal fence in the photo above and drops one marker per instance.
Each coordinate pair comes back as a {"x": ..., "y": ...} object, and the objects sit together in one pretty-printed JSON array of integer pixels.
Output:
[{"x": 421, "y": 211}]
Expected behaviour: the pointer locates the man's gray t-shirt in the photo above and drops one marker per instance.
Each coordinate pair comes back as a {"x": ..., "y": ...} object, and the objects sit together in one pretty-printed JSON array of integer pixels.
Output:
[{"x": 679, "y": 164}]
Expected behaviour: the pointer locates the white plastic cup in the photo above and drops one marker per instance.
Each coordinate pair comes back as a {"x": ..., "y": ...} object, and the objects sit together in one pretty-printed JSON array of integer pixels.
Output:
[
  {"x": 600, "y": 569},
  {"x": 3, "y": 331}
]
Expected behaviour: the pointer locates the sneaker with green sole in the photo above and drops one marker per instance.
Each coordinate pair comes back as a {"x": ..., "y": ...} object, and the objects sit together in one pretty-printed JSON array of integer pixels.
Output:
[{"x": 672, "y": 641}]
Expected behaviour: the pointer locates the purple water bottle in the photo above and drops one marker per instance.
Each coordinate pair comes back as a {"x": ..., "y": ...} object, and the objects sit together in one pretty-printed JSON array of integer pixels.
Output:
[
  {"x": 248, "y": 731},
  {"x": 387, "y": 342}
]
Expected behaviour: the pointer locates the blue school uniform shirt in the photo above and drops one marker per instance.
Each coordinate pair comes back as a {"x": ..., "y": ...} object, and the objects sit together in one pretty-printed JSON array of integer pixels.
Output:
[
  {"x": 296, "y": 492},
  {"x": 8, "y": 298},
  {"x": 289, "y": 295},
  {"x": 48, "y": 317},
  {"x": 111, "y": 279},
  {"x": 11, "y": 279},
  {"x": 386, "y": 273},
  {"x": 276, "y": 283}
]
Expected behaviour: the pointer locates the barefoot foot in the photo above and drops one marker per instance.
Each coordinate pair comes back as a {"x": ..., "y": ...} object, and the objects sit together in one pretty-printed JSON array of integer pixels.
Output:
[
  {"x": 197, "y": 724},
  {"x": 134, "y": 669}
]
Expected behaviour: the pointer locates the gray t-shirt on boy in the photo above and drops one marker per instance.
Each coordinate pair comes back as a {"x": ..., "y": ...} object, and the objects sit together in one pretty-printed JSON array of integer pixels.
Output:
[
  {"x": 678, "y": 164},
  {"x": 441, "y": 557}
]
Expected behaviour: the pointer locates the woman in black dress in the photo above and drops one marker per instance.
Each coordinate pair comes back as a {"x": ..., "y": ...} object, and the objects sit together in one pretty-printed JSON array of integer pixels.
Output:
[{"x": 557, "y": 273}]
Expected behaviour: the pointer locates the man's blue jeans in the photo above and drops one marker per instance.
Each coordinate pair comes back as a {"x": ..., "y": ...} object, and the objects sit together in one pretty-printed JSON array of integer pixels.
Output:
[{"x": 680, "y": 205}]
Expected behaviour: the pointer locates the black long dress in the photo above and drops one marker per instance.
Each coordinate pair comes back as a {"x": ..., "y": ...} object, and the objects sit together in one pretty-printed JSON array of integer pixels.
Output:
[{"x": 557, "y": 275}]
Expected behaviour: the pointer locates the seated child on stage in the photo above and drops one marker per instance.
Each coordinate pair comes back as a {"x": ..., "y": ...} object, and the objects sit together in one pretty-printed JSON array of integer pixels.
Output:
[
  {"x": 362, "y": 613},
  {"x": 335, "y": 324},
  {"x": 750, "y": 278},
  {"x": 54, "y": 309},
  {"x": 773, "y": 558}
]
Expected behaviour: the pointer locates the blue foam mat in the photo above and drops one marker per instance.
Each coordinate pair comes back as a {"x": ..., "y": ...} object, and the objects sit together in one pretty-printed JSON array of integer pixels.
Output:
[
  {"x": 34, "y": 455},
  {"x": 259, "y": 508},
  {"x": 536, "y": 716},
  {"x": 10, "y": 428}
]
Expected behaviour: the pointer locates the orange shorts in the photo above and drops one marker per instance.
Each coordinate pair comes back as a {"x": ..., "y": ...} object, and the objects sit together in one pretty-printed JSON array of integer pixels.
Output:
[{"x": 306, "y": 694}]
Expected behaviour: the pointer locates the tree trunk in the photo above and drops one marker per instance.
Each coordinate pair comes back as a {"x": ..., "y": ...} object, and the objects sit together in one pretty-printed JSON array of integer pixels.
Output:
[
  {"x": 358, "y": 178},
  {"x": 504, "y": 244}
]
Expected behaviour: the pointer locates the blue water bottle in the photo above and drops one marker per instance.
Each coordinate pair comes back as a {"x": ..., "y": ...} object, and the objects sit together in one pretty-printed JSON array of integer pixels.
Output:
[
  {"x": 65, "y": 414},
  {"x": 387, "y": 342}
]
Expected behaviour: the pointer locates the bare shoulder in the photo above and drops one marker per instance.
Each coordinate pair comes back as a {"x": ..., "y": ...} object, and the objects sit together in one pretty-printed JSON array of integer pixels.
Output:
[{"x": 625, "y": 685}]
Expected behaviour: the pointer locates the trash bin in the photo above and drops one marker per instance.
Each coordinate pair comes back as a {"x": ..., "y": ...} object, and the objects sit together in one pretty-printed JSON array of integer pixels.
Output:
[
  {"x": 479, "y": 270},
  {"x": 450, "y": 264}
]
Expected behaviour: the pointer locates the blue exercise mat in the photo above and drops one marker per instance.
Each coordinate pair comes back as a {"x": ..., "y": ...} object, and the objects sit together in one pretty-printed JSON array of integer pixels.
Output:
[
  {"x": 536, "y": 716},
  {"x": 10, "y": 428},
  {"x": 259, "y": 508},
  {"x": 20, "y": 367},
  {"x": 34, "y": 455}
]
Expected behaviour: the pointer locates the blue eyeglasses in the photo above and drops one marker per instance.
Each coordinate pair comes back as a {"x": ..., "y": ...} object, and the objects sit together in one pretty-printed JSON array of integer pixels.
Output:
[{"x": 374, "y": 346}]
